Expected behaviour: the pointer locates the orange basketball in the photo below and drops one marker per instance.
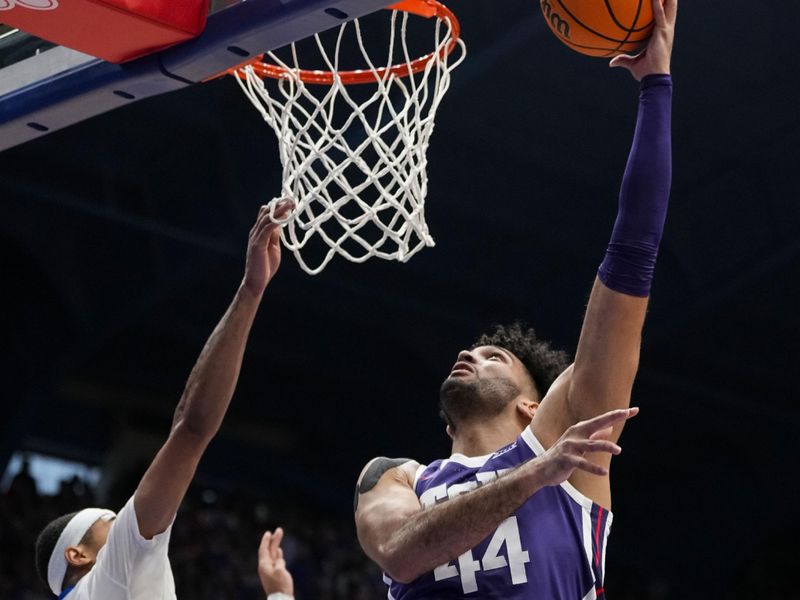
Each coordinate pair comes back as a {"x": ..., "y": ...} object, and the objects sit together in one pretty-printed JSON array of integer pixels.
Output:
[{"x": 600, "y": 27}]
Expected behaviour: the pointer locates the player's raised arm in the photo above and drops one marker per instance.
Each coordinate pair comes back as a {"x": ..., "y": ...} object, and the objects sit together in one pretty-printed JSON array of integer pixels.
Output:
[
  {"x": 210, "y": 386},
  {"x": 608, "y": 350},
  {"x": 407, "y": 540}
]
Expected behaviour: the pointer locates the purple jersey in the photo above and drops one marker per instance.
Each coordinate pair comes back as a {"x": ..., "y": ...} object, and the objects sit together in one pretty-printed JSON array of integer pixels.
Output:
[{"x": 551, "y": 548}]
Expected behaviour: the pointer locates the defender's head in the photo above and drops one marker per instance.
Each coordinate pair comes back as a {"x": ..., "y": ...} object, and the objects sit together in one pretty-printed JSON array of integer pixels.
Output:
[
  {"x": 506, "y": 372},
  {"x": 67, "y": 547}
]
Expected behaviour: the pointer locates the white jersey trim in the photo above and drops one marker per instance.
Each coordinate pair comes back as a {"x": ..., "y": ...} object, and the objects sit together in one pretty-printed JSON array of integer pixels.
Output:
[
  {"x": 419, "y": 471},
  {"x": 606, "y": 533},
  {"x": 388, "y": 582},
  {"x": 535, "y": 445},
  {"x": 469, "y": 461},
  {"x": 586, "y": 525},
  {"x": 591, "y": 594}
]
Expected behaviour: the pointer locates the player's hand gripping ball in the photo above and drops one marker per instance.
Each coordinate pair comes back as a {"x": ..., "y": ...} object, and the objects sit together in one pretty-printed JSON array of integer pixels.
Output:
[{"x": 600, "y": 27}]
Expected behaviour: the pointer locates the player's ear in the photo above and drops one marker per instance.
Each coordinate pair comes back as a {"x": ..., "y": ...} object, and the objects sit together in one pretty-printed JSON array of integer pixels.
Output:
[
  {"x": 526, "y": 408},
  {"x": 78, "y": 556},
  {"x": 450, "y": 432}
]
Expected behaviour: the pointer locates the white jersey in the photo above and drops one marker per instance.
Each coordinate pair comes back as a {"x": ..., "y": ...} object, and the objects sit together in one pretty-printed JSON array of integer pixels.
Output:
[{"x": 128, "y": 567}]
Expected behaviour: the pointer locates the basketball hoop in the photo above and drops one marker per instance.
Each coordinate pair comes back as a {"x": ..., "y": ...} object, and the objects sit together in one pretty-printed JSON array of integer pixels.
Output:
[{"x": 358, "y": 179}]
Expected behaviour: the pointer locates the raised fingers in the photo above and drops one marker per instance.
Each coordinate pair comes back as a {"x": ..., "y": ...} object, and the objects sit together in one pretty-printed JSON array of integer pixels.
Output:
[
  {"x": 590, "y": 426},
  {"x": 262, "y": 222},
  {"x": 280, "y": 209},
  {"x": 275, "y": 544},
  {"x": 588, "y": 466},
  {"x": 270, "y": 216},
  {"x": 658, "y": 12},
  {"x": 264, "y": 547},
  {"x": 671, "y": 10},
  {"x": 597, "y": 446}
]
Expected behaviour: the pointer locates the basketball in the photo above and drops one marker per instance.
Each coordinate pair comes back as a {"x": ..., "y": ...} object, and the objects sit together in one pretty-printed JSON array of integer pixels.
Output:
[{"x": 600, "y": 27}]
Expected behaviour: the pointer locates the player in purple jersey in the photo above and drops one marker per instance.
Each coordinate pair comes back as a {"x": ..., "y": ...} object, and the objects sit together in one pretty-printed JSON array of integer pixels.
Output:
[{"x": 521, "y": 508}]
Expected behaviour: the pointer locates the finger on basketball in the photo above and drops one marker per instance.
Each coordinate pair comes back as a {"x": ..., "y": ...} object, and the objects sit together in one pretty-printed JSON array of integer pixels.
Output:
[
  {"x": 626, "y": 61},
  {"x": 622, "y": 60},
  {"x": 658, "y": 12},
  {"x": 671, "y": 10}
]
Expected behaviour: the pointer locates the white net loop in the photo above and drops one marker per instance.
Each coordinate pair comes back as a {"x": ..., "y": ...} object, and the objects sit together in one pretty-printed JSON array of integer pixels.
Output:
[{"x": 356, "y": 168}]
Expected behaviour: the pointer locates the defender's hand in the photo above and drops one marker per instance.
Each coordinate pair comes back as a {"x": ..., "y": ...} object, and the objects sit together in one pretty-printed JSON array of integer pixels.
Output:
[
  {"x": 655, "y": 59},
  {"x": 271, "y": 566},
  {"x": 568, "y": 453},
  {"x": 264, "y": 247}
]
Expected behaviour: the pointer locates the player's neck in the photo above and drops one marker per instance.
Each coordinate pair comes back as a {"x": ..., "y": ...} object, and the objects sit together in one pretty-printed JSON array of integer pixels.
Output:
[
  {"x": 484, "y": 436},
  {"x": 75, "y": 574}
]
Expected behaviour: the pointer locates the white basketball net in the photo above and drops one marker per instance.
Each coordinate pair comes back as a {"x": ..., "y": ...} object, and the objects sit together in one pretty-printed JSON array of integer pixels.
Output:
[{"x": 359, "y": 183}]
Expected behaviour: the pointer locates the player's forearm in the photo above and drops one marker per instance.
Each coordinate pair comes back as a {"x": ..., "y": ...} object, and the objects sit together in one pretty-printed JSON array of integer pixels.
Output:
[
  {"x": 608, "y": 350},
  {"x": 439, "y": 534},
  {"x": 212, "y": 381},
  {"x": 630, "y": 259}
]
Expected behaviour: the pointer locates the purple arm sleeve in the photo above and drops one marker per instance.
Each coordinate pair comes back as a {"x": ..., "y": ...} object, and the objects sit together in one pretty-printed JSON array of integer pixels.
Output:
[{"x": 631, "y": 255}]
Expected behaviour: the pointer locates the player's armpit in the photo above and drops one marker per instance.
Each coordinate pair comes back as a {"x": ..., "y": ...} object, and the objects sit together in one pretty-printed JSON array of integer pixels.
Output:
[{"x": 385, "y": 499}]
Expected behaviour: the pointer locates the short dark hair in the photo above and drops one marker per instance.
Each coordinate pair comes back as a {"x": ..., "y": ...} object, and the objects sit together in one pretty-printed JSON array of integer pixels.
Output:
[
  {"x": 46, "y": 543},
  {"x": 542, "y": 362}
]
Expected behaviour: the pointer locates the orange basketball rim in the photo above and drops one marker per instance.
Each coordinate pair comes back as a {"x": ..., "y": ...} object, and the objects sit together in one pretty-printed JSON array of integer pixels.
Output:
[{"x": 423, "y": 8}]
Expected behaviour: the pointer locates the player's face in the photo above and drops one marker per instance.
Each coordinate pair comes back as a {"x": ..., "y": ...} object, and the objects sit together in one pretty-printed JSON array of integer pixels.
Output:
[{"x": 482, "y": 383}]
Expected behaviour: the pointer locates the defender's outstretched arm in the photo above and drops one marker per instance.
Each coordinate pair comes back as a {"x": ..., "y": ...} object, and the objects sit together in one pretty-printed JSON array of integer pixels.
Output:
[{"x": 210, "y": 386}]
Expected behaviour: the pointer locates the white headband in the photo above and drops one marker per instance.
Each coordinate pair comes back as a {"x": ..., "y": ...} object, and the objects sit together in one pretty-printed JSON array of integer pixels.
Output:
[{"x": 71, "y": 536}]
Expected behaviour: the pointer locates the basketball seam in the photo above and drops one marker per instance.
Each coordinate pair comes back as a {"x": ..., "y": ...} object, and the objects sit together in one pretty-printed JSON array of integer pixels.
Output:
[
  {"x": 597, "y": 33},
  {"x": 620, "y": 25},
  {"x": 636, "y": 18}
]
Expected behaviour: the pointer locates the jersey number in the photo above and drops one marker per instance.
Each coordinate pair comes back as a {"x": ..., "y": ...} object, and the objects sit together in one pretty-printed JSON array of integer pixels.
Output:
[{"x": 508, "y": 534}]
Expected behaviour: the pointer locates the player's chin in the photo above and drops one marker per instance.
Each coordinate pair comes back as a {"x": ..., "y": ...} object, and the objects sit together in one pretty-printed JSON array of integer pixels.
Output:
[{"x": 456, "y": 383}]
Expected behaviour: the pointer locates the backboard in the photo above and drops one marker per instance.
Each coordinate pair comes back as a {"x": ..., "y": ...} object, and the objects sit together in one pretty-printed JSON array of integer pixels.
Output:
[{"x": 45, "y": 87}]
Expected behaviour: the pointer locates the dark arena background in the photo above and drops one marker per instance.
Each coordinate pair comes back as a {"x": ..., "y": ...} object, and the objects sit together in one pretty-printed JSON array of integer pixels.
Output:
[{"x": 123, "y": 238}]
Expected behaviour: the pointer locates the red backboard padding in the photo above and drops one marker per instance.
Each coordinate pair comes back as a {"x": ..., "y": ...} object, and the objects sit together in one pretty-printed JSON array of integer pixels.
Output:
[{"x": 114, "y": 30}]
